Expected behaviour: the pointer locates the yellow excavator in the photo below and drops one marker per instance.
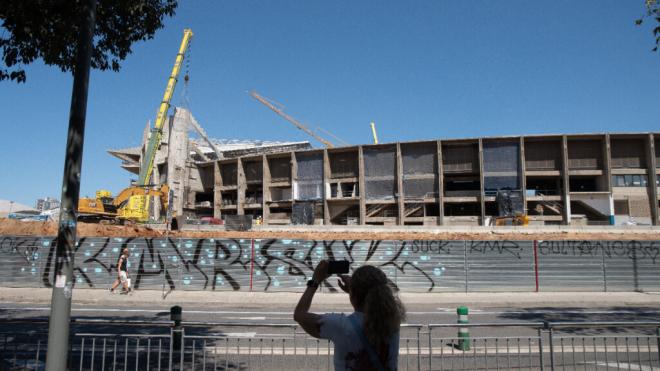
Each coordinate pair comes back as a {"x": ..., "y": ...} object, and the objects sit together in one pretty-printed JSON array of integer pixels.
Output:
[{"x": 133, "y": 203}]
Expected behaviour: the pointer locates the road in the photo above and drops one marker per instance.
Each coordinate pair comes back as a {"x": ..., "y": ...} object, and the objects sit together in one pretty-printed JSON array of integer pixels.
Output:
[{"x": 250, "y": 328}]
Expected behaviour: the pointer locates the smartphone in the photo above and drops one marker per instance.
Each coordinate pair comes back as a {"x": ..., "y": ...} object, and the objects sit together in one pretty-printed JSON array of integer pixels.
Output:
[{"x": 338, "y": 266}]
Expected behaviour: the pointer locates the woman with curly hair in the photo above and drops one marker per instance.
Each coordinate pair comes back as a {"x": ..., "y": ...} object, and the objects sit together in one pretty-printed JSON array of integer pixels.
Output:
[{"x": 368, "y": 338}]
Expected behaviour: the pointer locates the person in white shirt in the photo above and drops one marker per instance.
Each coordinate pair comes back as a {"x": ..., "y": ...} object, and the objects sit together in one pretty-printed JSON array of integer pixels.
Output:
[{"x": 368, "y": 338}]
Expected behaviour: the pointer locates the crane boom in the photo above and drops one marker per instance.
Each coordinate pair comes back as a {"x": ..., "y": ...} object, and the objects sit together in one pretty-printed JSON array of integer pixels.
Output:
[
  {"x": 202, "y": 133},
  {"x": 373, "y": 131},
  {"x": 295, "y": 122},
  {"x": 147, "y": 166}
]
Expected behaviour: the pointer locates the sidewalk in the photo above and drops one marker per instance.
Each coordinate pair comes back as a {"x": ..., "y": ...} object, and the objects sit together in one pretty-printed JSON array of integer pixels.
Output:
[{"x": 265, "y": 299}]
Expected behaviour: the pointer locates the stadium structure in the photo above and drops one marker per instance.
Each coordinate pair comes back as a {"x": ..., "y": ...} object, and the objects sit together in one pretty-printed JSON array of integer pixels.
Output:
[{"x": 557, "y": 179}]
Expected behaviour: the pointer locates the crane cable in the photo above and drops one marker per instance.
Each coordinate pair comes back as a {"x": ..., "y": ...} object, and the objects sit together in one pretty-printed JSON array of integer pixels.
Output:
[{"x": 184, "y": 98}]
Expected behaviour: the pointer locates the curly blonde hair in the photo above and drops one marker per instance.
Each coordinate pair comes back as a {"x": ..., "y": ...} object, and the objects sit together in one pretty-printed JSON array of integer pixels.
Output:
[{"x": 383, "y": 311}]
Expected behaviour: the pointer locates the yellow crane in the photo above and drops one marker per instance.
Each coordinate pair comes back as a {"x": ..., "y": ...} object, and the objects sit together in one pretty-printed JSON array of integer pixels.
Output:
[
  {"x": 373, "y": 131},
  {"x": 266, "y": 102},
  {"x": 132, "y": 203}
]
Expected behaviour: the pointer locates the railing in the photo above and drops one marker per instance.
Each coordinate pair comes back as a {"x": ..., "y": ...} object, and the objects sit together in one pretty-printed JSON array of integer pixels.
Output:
[{"x": 190, "y": 346}]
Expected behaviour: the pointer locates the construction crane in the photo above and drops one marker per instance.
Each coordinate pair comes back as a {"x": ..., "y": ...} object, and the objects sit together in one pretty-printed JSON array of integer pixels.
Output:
[
  {"x": 157, "y": 132},
  {"x": 266, "y": 102},
  {"x": 132, "y": 203},
  {"x": 373, "y": 131}
]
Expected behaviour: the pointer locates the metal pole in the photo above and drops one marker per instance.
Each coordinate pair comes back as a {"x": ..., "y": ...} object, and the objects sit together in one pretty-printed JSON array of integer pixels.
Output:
[{"x": 60, "y": 312}]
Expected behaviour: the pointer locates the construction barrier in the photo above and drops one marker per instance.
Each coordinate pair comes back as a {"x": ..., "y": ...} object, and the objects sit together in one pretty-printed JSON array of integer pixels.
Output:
[{"x": 286, "y": 265}]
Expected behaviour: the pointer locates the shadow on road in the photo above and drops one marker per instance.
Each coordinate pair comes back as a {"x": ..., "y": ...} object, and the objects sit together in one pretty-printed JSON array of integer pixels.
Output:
[{"x": 577, "y": 314}]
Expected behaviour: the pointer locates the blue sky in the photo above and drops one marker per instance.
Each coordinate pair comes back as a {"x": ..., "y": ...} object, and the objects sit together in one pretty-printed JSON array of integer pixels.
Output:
[{"x": 420, "y": 70}]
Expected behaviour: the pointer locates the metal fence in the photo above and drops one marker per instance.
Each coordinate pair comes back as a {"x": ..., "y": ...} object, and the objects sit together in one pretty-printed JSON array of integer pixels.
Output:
[
  {"x": 285, "y": 265},
  {"x": 496, "y": 346}
]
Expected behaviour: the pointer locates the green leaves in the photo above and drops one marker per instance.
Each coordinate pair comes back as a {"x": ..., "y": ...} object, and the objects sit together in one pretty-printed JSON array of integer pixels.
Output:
[
  {"x": 652, "y": 11},
  {"x": 48, "y": 29}
]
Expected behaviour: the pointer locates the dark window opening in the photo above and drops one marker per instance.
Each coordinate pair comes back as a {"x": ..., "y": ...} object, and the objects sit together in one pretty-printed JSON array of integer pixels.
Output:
[
  {"x": 582, "y": 184},
  {"x": 462, "y": 209}
]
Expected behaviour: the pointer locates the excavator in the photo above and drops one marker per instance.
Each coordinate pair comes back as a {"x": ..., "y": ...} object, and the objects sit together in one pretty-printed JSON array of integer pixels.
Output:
[{"x": 132, "y": 204}]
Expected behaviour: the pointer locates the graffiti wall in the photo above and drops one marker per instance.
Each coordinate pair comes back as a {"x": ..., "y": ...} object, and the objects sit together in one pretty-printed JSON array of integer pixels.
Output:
[{"x": 286, "y": 265}]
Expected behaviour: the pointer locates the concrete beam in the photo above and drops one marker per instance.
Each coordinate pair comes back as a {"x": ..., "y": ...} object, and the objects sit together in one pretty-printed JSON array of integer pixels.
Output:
[
  {"x": 441, "y": 180},
  {"x": 326, "y": 187},
  {"x": 564, "y": 174},
  {"x": 363, "y": 191},
  {"x": 399, "y": 186},
  {"x": 607, "y": 172},
  {"x": 652, "y": 178},
  {"x": 241, "y": 182},
  {"x": 482, "y": 195},
  {"x": 265, "y": 187},
  {"x": 217, "y": 194},
  {"x": 521, "y": 172}
]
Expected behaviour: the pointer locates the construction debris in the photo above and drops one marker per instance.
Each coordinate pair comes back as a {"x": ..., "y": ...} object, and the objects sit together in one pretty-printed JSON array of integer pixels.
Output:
[{"x": 10, "y": 227}]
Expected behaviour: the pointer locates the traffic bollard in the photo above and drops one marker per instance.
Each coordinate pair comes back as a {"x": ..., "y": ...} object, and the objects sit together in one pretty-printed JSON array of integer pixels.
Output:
[
  {"x": 463, "y": 332},
  {"x": 175, "y": 317}
]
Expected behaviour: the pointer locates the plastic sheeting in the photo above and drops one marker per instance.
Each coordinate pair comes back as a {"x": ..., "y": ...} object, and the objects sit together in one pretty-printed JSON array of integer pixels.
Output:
[
  {"x": 280, "y": 169},
  {"x": 309, "y": 184},
  {"x": 228, "y": 172},
  {"x": 380, "y": 171},
  {"x": 253, "y": 171},
  {"x": 501, "y": 166},
  {"x": 419, "y": 170}
]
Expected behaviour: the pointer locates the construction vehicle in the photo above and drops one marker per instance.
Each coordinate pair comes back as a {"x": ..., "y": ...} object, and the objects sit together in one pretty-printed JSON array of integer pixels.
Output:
[
  {"x": 130, "y": 205},
  {"x": 268, "y": 103},
  {"x": 133, "y": 203},
  {"x": 510, "y": 209}
]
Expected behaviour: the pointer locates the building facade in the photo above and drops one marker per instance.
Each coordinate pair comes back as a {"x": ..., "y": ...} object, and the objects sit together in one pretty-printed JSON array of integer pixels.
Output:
[
  {"x": 591, "y": 179},
  {"x": 596, "y": 179}
]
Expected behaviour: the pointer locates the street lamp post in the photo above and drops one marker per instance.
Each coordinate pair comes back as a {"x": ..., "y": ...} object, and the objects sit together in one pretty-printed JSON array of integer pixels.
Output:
[{"x": 60, "y": 311}]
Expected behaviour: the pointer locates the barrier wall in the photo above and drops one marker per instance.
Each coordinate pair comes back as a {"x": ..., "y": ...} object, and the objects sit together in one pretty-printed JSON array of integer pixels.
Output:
[{"x": 286, "y": 265}]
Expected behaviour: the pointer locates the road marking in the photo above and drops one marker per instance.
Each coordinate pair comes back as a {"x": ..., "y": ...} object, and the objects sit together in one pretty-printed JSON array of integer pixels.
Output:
[
  {"x": 629, "y": 366},
  {"x": 477, "y": 312},
  {"x": 474, "y": 312}
]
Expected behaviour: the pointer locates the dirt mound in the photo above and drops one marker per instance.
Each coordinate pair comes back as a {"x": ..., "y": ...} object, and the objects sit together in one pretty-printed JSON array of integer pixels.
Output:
[
  {"x": 33, "y": 228},
  {"x": 9, "y": 227}
]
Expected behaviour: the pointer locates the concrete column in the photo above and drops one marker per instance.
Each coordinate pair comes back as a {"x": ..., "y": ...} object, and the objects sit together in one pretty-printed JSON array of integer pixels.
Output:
[
  {"x": 241, "y": 187},
  {"x": 399, "y": 185},
  {"x": 217, "y": 194},
  {"x": 523, "y": 177},
  {"x": 326, "y": 187},
  {"x": 482, "y": 196},
  {"x": 440, "y": 173},
  {"x": 294, "y": 180},
  {"x": 265, "y": 186},
  {"x": 155, "y": 201},
  {"x": 564, "y": 174},
  {"x": 607, "y": 173},
  {"x": 363, "y": 192},
  {"x": 652, "y": 178}
]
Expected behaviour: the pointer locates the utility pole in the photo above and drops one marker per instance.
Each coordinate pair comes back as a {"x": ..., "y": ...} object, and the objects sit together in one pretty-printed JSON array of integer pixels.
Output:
[{"x": 60, "y": 310}]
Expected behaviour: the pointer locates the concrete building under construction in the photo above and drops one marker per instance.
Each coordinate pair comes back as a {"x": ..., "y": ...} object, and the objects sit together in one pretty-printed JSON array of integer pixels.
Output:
[{"x": 591, "y": 179}]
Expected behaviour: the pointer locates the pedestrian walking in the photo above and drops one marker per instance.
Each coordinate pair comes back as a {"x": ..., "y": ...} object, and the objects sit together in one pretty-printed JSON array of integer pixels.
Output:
[
  {"x": 122, "y": 273},
  {"x": 368, "y": 338}
]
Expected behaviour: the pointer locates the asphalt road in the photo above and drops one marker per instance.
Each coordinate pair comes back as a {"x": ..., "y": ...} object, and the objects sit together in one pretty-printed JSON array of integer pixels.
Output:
[{"x": 259, "y": 335}]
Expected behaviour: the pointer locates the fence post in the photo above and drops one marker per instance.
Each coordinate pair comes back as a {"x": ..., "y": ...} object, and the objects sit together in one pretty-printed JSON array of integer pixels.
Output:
[
  {"x": 431, "y": 349},
  {"x": 657, "y": 340},
  {"x": 602, "y": 254},
  {"x": 182, "y": 345},
  {"x": 465, "y": 264},
  {"x": 541, "y": 363},
  {"x": 251, "y": 262},
  {"x": 536, "y": 265},
  {"x": 552, "y": 347},
  {"x": 419, "y": 349}
]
